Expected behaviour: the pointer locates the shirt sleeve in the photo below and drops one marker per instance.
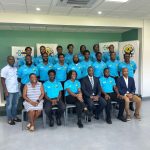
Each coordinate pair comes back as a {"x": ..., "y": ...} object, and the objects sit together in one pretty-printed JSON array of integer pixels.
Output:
[
  {"x": 60, "y": 86},
  {"x": 65, "y": 85},
  {"x": 3, "y": 73},
  {"x": 113, "y": 82}
]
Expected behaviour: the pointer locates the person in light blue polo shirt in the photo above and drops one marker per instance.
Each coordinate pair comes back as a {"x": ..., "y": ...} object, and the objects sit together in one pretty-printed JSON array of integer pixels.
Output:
[
  {"x": 113, "y": 66},
  {"x": 43, "y": 68},
  {"x": 74, "y": 95},
  {"x": 106, "y": 55},
  {"x": 53, "y": 95},
  {"x": 130, "y": 65},
  {"x": 81, "y": 54},
  {"x": 111, "y": 93},
  {"x": 99, "y": 65},
  {"x": 86, "y": 63},
  {"x": 61, "y": 69},
  {"x": 25, "y": 70},
  {"x": 39, "y": 59},
  {"x": 76, "y": 65},
  {"x": 93, "y": 54},
  {"x": 59, "y": 51},
  {"x": 69, "y": 55},
  {"x": 22, "y": 61}
]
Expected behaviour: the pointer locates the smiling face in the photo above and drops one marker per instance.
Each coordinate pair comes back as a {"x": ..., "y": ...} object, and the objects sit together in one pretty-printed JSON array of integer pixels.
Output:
[
  {"x": 90, "y": 71},
  {"x": 51, "y": 76},
  {"x": 125, "y": 72},
  {"x": 113, "y": 56},
  {"x": 28, "y": 51},
  {"x": 75, "y": 59},
  {"x": 73, "y": 75},
  {"x": 111, "y": 48},
  {"x": 45, "y": 57},
  {"x": 11, "y": 60},
  {"x": 28, "y": 60},
  {"x": 42, "y": 50},
  {"x": 33, "y": 78},
  {"x": 106, "y": 72}
]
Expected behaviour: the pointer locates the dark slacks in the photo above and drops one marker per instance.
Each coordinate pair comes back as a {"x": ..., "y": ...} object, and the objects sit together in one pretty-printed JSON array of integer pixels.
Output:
[
  {"x": 48, "y": 109},
  {"x": 96, "y": 108},
  {"x": 79, "y": 105},
  {"x": 113, "y": 97}
]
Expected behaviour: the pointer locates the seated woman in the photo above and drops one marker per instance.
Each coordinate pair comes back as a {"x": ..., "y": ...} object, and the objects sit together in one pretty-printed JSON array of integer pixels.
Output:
[
  {"x": 74, "y": 96},
  {"x": 33, "y": 94}
]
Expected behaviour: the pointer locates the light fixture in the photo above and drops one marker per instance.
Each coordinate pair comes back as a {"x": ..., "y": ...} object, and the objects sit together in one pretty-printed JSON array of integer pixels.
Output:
[
  {"x": 38, "y": 9},
  {"x": 119, "y": 1},
  {"x": 99, "y": 12}
]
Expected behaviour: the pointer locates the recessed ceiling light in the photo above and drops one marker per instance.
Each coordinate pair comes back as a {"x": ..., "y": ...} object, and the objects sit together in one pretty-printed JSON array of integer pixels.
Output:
[
  {"x": 119, "y": 1},
  {"x": 99, "y": 12},
  {"x": 38, "y": 9}
]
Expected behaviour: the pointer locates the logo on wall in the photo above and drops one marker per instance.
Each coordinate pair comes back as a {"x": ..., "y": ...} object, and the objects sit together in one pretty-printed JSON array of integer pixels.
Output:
[
  {"x": 129, "y": 49},
  {"x": 49, "y": 51}
]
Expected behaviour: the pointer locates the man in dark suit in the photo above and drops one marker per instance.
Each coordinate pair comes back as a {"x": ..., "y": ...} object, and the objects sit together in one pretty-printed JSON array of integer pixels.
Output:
[
  {"x": 126, "y": 87},
  {"x": 91, "y": 93}
]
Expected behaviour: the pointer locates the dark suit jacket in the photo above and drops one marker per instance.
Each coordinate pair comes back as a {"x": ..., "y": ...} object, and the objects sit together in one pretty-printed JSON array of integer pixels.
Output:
[
  {"x": 122, "y": 85},
  {"x": 86, "y": 87}
]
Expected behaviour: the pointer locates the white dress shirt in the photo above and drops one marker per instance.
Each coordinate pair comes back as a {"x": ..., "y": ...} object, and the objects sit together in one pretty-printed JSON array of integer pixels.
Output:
[
  {"x": 126, "y": 81},
  {"x": 10, "y": 75}
]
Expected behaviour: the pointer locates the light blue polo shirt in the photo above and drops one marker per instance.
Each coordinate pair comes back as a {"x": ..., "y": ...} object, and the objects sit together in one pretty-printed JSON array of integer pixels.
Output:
[
  {"x": 93, "y": 57},
  {"x": 113, "y": 67},
  {"x": 106, "y": 56},
  {"x": 73, "y": 86},
  {"x": 43, "y": 71},
  {"x": 76, "y": 67},
  {"x": 38, "y": 60},
  {"x": 55, "y": 59},
  {"x": 131, "y": 68},
  {"x": 107, "y": 84},
  {"x": 81, "y": 57},
  {"x": 69, "y": 58},
  {"x": 61, "y": 71},
  {"x": 52, "y": 89},
  {"x": 24, "y": 72},
  {"x": 99, "y": 68},
  {"x": 85, "y": 66}
]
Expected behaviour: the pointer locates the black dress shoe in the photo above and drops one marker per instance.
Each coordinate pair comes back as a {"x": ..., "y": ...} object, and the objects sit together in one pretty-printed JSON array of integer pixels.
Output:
[
  {"x": 131, "y": 106},
  {"x": 58, "y": 121},
  {"x": 122, "y": 119},
  {"x": 79, "y": 123},
  {"x": 109, "y": 121},
  {"x": 51, "y": 123},
  {"x": 17, "y": 119},
  {"x": 11, "y": 122}
]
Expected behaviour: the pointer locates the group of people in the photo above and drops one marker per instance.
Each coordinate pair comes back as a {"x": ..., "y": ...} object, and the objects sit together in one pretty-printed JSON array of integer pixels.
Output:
[{"x": 88, "y": 80}]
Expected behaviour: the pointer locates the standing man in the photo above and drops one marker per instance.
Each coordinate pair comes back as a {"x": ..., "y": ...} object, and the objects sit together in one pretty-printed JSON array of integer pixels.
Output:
[
  {"x": 92, "y": 93},
  {"x": 99, "y": 65},
  {"x": 43, "y": 68},
  {"x": 69, "y": 55},
  {"x": 86, "y": 63},
  {"x": 59, "y": 51},
  {"x": 81, "y": 54},
  {"x": 11, "y": 90},
  {"x": 95, "y": 50}
]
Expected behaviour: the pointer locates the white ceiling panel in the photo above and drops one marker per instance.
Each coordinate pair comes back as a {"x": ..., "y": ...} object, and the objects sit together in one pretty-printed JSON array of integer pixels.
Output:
[
  {"x": 39, "y": 2},
  {"x": 12, "y": 1}
]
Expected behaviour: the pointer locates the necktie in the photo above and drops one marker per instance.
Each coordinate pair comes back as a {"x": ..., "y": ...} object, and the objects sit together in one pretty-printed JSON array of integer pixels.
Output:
[{"x": 92, "y": 82}]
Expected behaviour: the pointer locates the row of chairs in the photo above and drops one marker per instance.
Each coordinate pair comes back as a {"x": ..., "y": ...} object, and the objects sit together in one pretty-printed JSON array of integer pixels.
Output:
[{"x": 68, "y": 107}]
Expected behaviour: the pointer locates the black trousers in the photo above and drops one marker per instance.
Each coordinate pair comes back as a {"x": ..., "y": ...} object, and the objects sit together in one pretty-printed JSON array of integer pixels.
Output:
[
  {"x": 79, "y": 105},
  {"x": 121, "y": 102},
  {"x": 48, "y": 109},
  {"x": 96, "y": 108}
]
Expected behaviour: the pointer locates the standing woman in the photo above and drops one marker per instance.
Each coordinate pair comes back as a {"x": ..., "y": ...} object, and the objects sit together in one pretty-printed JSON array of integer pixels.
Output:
[
  {"x": 74, "y": 95},
  {"x": 33, "y": 94}
]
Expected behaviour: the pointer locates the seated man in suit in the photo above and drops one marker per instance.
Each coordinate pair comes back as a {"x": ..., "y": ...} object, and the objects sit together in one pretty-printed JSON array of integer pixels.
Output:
[
  {"x": 126, "y": 86},
  {"x": 91, "y": 93},
  {"x": 110, "y": 92}
]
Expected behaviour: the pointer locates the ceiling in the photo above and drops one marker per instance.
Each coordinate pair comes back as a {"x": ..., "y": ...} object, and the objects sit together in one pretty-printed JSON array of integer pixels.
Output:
[
  {"x": 62, "y": 28},
  {"x": 131, "y": 9}
]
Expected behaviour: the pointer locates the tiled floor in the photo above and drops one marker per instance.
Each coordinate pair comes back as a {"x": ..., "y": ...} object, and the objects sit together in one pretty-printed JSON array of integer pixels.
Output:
[{"x": 97, "y": 135}]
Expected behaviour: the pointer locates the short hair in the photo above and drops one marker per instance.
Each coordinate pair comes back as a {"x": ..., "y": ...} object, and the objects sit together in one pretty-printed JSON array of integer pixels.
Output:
[
  {"x": 61, "y": 55},
  {"x": 28, "y": 48},
  {"x": 32, "y": 74},
  {"x": 44, "y": 54},
  {"x": 59, "y": 46},
  {"x": 98, "y": 53},
  {"x": 28, "y": 56},
  {"x": 110, "y": 45},
  {"x": 82, "y": 46},
  {"x": 126, "y": 54},
  {"x": 42, "y": 46},
  {"x": 90, "y": 68},
  {"x": 69, "y": 45},
  {"x": 95, "y": 45},
  {"x": 106, "y": 69},
  {"x": 52, "y": 70},
  {"x": 70, "y": 74},
  {"x": 112, "y": 53},
  {"x": 9, "y": 57},
  {"x": 86, "y": 51}
]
